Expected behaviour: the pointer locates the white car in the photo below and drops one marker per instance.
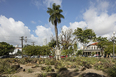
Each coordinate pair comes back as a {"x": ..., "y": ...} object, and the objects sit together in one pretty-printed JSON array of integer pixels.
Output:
[
  {"x": 34, "y": 56},
  {"x": 44, "y": 56},
  {"x": 20, "y": 56}
]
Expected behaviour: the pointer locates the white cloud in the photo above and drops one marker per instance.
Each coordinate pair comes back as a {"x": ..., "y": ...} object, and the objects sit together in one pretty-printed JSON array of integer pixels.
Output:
[
  {"x": 43, "y": 33},
  {"x": 80, "y": 24},
  {"x": 74, "y": 25},
  {"x": 102, "y": 5},
  {"x": 11, "y": 31},
  {"x": 33, "y": 22},
  {"x": 98, "y": 19},
  {"x": 48, "y": 3}
]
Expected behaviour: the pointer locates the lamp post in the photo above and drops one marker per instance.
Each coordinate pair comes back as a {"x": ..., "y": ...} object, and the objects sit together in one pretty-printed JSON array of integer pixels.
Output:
[{"x": 113, "y": 39}]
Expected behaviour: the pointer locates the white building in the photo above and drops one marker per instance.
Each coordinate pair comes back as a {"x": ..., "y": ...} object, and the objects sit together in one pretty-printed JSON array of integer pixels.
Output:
[
  {"x": 45, "y": 41},
  {"x": 16, "y": 50},
  {"x": 92, "y": 48}
]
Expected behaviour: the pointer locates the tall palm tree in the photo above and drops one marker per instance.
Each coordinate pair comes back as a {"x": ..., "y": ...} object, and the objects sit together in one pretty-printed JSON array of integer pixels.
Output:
[{"x": 55, "y": 17}]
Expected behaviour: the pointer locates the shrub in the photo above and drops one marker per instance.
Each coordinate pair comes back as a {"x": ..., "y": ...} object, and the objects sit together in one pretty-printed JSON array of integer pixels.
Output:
[
  {"x": 48, "y": 69},
  {"x": 112, "y": 71},
  {"x": 59, "y": 65},
  {"x": 49, "y": 61},
  {"x": 6, "y": 68}
]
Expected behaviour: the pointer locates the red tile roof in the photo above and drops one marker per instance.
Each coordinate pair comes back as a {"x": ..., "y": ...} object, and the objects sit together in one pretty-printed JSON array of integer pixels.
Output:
[{"x": 94, "y": 43}]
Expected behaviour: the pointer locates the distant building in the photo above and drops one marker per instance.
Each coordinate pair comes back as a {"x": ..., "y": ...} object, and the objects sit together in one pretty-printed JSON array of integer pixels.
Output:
[
  {"x": 45, "y": 41},
  {"x": 16, "y": 50},
  {"x": 92, "y": 48}
]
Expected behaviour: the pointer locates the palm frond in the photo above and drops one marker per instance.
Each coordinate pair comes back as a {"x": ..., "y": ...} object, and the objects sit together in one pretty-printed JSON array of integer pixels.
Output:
[{"x": 55, "y": 14}]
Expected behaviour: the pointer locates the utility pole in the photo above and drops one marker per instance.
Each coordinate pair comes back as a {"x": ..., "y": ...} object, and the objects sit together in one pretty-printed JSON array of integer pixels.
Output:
[
  {"x": 22, "y": 38},
  {"x": 33, "y": 43}
]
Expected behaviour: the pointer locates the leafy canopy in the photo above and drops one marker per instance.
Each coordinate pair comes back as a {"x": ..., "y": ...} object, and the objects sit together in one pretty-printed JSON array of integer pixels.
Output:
[
  {"x": 102, "y": 42},
  {"x": 36, "y": 50},
  {"x": 5, "y": 48},
  {"x": 84, "y": 36}
]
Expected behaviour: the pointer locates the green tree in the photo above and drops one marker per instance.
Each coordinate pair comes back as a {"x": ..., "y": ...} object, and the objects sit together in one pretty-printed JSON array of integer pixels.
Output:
[
  {"x": 80, "y": 52},
  {"x": 75, "y": 48},
  {"x": 52, "y": 43},
  {"x": 5, "y": 48},
  {"x": 84, "y": 36},
  {"x": 45, "y": 50},
  {"x": 102, "y": 43},
  {"x": 55, "y": 17},
  {"x": 109, "y": 49},
  {"x": 36, "y": 50},
  {"x": 31, "y": 50}
]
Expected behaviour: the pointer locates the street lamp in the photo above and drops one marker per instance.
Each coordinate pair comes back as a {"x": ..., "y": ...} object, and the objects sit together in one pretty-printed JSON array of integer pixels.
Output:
[{"x": 113, "y": 39}]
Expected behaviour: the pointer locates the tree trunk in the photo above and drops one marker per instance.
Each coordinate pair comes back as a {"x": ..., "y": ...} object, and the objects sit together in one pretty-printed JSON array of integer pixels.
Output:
[{"x": 56, "y": 32}]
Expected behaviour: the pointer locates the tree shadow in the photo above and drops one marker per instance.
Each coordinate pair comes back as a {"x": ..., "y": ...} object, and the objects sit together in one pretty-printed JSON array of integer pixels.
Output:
[{"x": 92, "y": 75}]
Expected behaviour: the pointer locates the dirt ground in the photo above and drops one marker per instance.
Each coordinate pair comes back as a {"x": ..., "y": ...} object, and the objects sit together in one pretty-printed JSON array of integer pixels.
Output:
[{"x": 37, "y": 70}]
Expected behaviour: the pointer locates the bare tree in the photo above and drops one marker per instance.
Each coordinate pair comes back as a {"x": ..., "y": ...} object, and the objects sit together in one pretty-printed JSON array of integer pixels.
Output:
[{"x": 66, "y": 39}]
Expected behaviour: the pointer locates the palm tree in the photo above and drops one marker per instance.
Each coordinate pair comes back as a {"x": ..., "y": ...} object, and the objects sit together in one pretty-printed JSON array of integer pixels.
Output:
[{"x": 55, "y": 17}]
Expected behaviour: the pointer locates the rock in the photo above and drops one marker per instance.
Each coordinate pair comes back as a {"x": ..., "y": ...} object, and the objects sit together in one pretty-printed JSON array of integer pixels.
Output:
[
  {"x": 15, "y": 67},
  {"x": 23, "y": 70},
  {"x": 52, "y": 70}
]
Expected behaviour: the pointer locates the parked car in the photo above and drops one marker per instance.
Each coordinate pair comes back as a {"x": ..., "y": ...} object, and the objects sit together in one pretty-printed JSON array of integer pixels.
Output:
[
  {"x": 84, "y": 56},
  {"x": 44, "y": 56},
  {"x": 1, "y": 56},
  {"x": 25, "y": 56},
  {"x": 63, "y": 56},
  {"x": 5, "y": 56},
  {"x": 19, "y": 56},
  {"x": 34, "y": 56},
  {"x": 97, "y": 56}
]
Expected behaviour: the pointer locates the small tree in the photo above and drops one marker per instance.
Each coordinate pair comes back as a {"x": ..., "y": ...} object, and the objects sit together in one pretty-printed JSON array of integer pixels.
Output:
[{"x": 5, "y": 48}]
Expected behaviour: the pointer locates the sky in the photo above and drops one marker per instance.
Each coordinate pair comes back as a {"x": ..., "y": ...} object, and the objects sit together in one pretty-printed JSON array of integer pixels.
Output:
[{"x": 29, "y": 18}]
